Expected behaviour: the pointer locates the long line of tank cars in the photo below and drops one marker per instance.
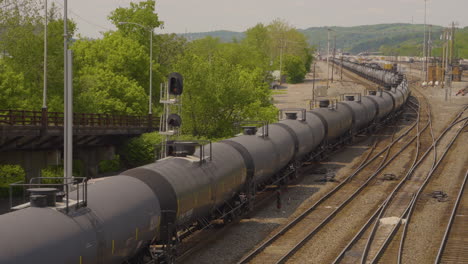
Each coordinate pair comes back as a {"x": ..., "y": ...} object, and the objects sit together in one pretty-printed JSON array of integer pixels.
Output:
[{"x": 141, "y": 212}]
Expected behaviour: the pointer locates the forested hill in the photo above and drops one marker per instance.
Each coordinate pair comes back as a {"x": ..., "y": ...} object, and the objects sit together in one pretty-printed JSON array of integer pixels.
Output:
[
  {"x": 353, "y": 39},
  {"x": 223, "y": 35},
  {"x": 371, "y": 37}
]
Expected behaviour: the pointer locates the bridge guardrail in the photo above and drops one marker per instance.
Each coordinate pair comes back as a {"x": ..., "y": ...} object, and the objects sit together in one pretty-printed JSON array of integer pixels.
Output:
[{"x": 55, "y": 119}]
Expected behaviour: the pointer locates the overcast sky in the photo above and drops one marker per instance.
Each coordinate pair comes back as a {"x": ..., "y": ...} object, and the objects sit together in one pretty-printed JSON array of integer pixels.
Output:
[{"x": 237, "y": 15}]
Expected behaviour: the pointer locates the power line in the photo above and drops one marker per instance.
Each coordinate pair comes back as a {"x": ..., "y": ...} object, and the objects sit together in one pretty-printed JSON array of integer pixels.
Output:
[{"x": 83, "y": 19}]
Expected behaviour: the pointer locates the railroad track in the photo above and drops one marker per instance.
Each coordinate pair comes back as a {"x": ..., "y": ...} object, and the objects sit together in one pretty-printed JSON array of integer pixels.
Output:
[
  {"x": 375, "y": 239},
  {"x": 285, "y": 243},
  {"x": 372, "y": 236},
  {"x": 204, "y": 237},
  {"x": 395, "y": 206},
  {"x": 418, "y": 198},
  {"x": 454, "y": 247}
]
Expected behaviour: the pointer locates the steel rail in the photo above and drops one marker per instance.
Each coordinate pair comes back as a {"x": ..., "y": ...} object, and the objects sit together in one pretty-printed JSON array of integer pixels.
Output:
[
  {"x": 434, "y": 169},
  {"x": 379, "y": 210},
  {"x": 343, "y": 204},
  {"x": 451, "y": 220},
  {"x": 377, "y": 213},
  {"x": 291, "y": 224},
  {"x": 408, "y": 217},
  {"x": 408, "y": 175}
]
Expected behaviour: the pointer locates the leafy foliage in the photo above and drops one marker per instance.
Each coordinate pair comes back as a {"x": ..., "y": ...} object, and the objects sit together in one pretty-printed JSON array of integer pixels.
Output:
[
  {"x": 21, "y": 41},
  {"x": 110, "y": 165},
  {"x": 224, "y": 82},
  {"x": 461, "y": 43},
  {"x": 103, "y": 91},
  {"x": 10, "y": 174},
  {"x": 140, "y": 150},
  {"x": 13, "y": 94},
  {"x": 397, "y": 38},
  {"x": 294, "y": 67},
  {"x": 52, "y": 172},
  {"x": 218, "y": 94}
]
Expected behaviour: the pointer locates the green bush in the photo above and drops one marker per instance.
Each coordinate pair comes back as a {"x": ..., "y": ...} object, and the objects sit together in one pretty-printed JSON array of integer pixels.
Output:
[
  {"x": 294, "y": 68},
  {"x": 10, "y": 174},
  {"x": 146, "y": 148},
  {"x": 140, "y": 150},
  {"x": 56, "y": 171},
  {"x": 52, "y": 172},
  {"x": 110, "y": 165}
]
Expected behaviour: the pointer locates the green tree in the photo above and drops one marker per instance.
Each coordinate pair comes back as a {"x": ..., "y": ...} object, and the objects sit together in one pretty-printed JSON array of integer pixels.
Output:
[
  {"x": 21, "y": 41},
  {"x": 168, "y": 49},
  {"x": 10, "y": 174},
  {"x": 142, "y": 13},
  {"x": 113, "y": 73},
  {"x": 258, "y": 39},
  {"x": 12, "y": 92},
  {"x": 116, "y": 53},
  {"x": 294, "y": 69},
  {"x": 218, "y": 93},
  {"x": 100, "y": 90}
]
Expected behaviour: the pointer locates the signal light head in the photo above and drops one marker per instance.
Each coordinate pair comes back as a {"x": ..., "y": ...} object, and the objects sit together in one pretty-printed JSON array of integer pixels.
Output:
[{"x": 176, "y": 83}]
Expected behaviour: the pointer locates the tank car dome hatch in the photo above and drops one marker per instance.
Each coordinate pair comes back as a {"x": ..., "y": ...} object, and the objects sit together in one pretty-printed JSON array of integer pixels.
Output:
[
  {"x": 349, "y": 97},
  {"x": 174, "y": 120},
  {"x": 180, "y": 148},
  {"x": 324, "y": 103},
  {"x": 292, "y": 116},
  {"x": 373, "y": 92},
  {"x": 249, "y": 130},
  {"x": 38, "y": 200},
  {"x": 176, "y": 83},
  {"x": 42, "y": 197}
]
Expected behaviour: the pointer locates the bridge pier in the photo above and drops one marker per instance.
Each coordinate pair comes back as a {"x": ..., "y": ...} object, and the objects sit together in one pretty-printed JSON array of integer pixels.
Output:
[
  {"x": 32, "y": 161},
  {"x": 91, "y": 156}
]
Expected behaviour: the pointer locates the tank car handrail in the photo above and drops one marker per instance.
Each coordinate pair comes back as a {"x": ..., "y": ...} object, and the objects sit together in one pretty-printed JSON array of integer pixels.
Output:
[
  {"x": 359, "y": 95},
  {"x": 66, "y": 183},
  {"x": 194, "y": 143},
  {"x": 286, "y": 110},
  {"x": 264, "y": 124}
]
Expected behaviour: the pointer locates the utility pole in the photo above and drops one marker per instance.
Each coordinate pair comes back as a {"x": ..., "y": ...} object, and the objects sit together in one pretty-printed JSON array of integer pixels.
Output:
[
  {"x": 150, "y": 30},
  {"x": 425, "y": 42},
  {"x": 452, "y": 46},
  {"x": 447, "y": 78},
  {"x": 328, "y": 58},
  {"x": 67, "y": 101},
  {"x": 281, "y": 62},
  {"x": 429, "y": 50},
  {"x": 150, "y": 112},
  {"x": 334, "y": 52},
  {"x": 410, "y": 73},
  {"x": 341, "y": 66},
  {"x": 313, "y": 84},
  {"x": 442, "y": 63},
  {"x": 319, "y": 51},
  {"x": 44, "y": 94}
]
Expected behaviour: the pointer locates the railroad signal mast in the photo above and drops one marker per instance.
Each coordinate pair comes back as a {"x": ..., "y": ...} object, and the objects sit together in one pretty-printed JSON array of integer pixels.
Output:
[{"x": 170, "y": 97}]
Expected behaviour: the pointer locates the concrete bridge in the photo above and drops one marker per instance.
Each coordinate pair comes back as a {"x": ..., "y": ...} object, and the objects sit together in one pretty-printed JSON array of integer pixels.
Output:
[{"x": 34, "y": 139}]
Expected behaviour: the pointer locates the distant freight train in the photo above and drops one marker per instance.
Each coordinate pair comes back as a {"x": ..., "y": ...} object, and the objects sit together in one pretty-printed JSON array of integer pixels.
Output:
[{"x": 141, "y": 214}]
